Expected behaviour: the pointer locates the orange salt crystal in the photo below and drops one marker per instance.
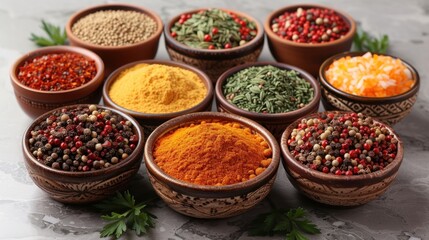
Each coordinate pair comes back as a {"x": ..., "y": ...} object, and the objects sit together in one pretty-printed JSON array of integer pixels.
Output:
[{"x": 370, "y": 75}]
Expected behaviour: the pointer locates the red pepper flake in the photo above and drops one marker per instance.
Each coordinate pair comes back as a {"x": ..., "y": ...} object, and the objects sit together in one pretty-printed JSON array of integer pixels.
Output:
[
  {"x": 57, "y": 72},
  {"x": 314, "y": 25}
]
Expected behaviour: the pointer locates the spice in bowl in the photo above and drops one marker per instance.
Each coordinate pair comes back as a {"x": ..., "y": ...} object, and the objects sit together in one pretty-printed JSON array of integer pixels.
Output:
[
  {"x": 343, "y": 144},
  {"x": 57, "y": 72},
  {"x": 82, "y": 139},
  {"x": 213, "y": 29},
  {"x": 267, "y": 89},
  {"x": 114, "y": 27},
  {"x": 313, "y": 25},
  {"x": 212, "y": 153},
  {"x": 370, "y": 75},
  {"x": 157, "y": 88}
]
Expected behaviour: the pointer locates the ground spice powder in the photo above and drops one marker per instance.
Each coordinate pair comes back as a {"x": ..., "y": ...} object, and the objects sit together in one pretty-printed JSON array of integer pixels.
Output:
[
  {"x": 212, "y": 153},
  {"x": 155, "y": 88}
]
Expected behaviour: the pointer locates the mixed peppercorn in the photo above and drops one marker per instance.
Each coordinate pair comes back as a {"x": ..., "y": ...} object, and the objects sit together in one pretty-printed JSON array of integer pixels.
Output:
[
  {"x": 213, "y": 29},
  {"x": 82, "y": 139},
  {"x": 57, "y": 72},
  {"x": 313, "y": 25},
  {"x": 342, "y": 144}
]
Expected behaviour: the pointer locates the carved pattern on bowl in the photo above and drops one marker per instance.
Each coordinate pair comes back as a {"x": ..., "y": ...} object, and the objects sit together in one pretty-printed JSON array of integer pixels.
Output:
[
  {"x": 90, "y": 191},
  {"x": 210, "y": 207},
  {"x": 214, "y": 68},
  {"x": 390, "y": 113},
  {"x": 339, "y": 196}
]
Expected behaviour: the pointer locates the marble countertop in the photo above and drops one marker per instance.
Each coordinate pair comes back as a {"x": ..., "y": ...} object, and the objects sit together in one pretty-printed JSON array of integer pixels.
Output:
[{"x": 401, "y": 213}]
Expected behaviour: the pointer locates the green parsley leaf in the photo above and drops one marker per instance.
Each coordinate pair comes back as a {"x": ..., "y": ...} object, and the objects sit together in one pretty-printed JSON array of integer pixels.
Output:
[
  {"x": 117, "y": 203},
  {"x": 290, "y": 223},
  {"x": 55, "y": 36},
  {"x": 295, "y": 235},
  {"x": 115, "y": 228},
  {"x": 307, "y": 226},
  {"x": 363, "y": 41},
  {"x": 130, "y": 216}
]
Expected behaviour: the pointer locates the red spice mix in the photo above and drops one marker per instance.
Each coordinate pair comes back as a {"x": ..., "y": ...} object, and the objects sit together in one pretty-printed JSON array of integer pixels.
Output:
[{"x": 57, "y": 72}]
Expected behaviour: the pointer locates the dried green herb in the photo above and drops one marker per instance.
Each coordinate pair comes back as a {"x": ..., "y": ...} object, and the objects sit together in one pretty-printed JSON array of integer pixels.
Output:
[
  {"x": 213, "y": 29},
  {"x": 363, "y": 41},
  {"x": 55, "y": 36},
  {"x": 289, "y": 222},
  {"x": 267, "y": 89}
]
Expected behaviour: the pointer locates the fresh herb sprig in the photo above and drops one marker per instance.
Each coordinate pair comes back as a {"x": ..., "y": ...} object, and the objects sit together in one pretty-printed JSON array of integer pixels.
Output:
[
  {"x": 56, "y": 36},
  {"x": 363, "y": 41},
  {"x": 124, "y": 213},
  {"x": 289, "y": 222}
]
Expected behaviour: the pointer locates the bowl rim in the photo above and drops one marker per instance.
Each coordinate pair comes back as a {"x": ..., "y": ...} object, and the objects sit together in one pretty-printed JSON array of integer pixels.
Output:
[
  {"x": 347, "y": 18},
  {"x": 203, "y": 77},
  {"x": 113, "y": 6},
  {"x": 101, "y": 172},
  {"x": 175, "y": 123},
  {"x": 88, "y": 54},
  {"x": 246, "y": 47},
  {"x": 315, "y": 175},
  {"x": 325, "y": 84},
  {"x": 254, "y": 115}
]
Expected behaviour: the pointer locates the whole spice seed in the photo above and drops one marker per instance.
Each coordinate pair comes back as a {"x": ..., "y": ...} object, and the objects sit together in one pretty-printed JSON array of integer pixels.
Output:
[
  {"x": 370, "y": 75},
  {"x": 212, "y": 153},
  {"x": 114, "y": 27},
  {"x": 314, "y": 25},
  {"x": 56, "y": 72},
  {"x": 82, "y": 139},
  {"x": 213, "y": 29},
  {"x": 267, "y": 89},
  {"x": 343, "y": 144}
]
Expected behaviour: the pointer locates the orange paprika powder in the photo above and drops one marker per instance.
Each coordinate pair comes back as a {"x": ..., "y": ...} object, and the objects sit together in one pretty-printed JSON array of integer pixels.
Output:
[{"x": 212, "y": 153}]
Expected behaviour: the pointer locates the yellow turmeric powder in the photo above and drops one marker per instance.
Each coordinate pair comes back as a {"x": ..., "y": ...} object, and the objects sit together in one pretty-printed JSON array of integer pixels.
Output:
[
  {"x": 212, "y": 153},
  {"x": 156, "y": 88}
]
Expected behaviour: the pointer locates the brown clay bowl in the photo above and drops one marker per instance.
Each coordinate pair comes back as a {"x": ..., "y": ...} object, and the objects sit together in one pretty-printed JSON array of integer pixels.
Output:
[
  {"x": 210, "y": 201},
  {"x": 390, "y": 110},
  {"x": 149, "y": 121},
  {"x": 116, "y": 56},
  {"x": 82, "y": 187},
  {"x": 303, "y": 55},
  {"x": 214, "y": 62},
  {"x": 338, "y": 190},
  {"x": 275, "y": 123},
  {"x": 35, "y": 102}
]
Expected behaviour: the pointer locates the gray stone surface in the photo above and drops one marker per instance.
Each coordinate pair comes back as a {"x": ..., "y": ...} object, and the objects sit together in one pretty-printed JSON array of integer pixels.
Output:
[{"x": 401, "y": 213}]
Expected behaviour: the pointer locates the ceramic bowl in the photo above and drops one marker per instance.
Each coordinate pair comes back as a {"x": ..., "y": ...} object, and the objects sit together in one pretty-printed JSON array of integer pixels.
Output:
[
  {"x": 390, "y": 110},
  {"x": 275, "y": 123},
  {"x": 338, "y": 190},
  {"x": 150, "y": 121},
  {"x": 35, "y": 102},
  {"x": 116, "y": 56},
  {"x": 303, "y": 55},
  {"x": 210, "y": 201},
  {"x": 214, "y": 62},
  {"x": 82, "y": 187}
]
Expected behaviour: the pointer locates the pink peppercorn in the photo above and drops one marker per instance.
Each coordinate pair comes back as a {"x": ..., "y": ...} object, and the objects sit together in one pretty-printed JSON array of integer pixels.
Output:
[{"x": 313, "y": 25}]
